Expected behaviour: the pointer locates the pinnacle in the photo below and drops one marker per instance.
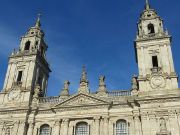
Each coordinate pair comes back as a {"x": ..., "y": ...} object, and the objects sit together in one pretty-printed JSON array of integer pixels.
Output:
[
  {"x": 84, "y": 74},
  {"x": 147, "y": 5},
  {"x": 38, "y": 22}
]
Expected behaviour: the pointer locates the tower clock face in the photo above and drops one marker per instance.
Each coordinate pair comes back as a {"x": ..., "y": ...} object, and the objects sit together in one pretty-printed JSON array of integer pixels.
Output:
[{"x": 14, "y": 95}]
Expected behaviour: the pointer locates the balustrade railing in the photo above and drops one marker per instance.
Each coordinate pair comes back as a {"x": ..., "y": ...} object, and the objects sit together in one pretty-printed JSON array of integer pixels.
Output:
[
  {"x": 119, "y": 93},
  {"x": 49, "y": 100}
]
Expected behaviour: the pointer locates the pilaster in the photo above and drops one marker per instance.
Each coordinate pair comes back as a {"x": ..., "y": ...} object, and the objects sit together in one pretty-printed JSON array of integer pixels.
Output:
[
  {"x": 56, "y": 128},
  {"x": 65, "y": 126},
  {"x": 97, "y": 125},
  {"x": 31, "y": 128},
  {"x": 15, "y": 128},
  {"x": 137, "y": 124},
  {"x": 71, "y": 127},
  {"x": 21, "y": 129},
  {"x": 106, "y": 126}
]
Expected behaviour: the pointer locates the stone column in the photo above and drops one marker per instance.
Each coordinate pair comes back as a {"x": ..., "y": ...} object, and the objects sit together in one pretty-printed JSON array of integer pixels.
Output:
[
  {"x": 56, "y": 130},
  {"x": 145, "y": 125},
  {"x": 131, "y": 126},
  {"x": 30, "y": 129},
  {"x": 137, "y": 125},
  {"x": 101, "y": 127},
  {"x": 111, "y": 127},
  {"x": 105, "y": 127},
  {"x": 15, "y": 128},
  {"x": 153, "y": 123},
  {"x": 178, "y": 120},
  {"x": 173, "y": 122},
  {"x": 65, "y": 126},
  {"x": 97, "y": 124},
  {"x": 21, "y": 129},
  {"x": 71, "y": 126},
  {"x": 1, "y": 129}
]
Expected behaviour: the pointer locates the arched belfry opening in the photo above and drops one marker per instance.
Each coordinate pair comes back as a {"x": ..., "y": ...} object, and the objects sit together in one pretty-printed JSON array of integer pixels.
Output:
[
  {"x": 27, "y": 46},
  {"x": 151, "y": 29}
]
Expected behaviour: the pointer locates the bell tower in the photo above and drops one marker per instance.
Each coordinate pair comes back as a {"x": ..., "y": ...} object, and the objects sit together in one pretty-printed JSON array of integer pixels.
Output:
[
  {"x": 153, "y": 53},
  {"x": 28, "y": 66}
]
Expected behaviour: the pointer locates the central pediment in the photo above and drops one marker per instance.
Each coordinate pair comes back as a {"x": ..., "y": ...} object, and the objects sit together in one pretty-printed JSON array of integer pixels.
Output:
[{"x": 81, "y": 100}]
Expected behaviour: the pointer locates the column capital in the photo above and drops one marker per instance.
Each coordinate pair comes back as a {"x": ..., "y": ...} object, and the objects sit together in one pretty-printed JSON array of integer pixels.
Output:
[
  {"x": 31, "y": 124},
  {"x": 22, "y": 122},
  {"x": 97, "y": 118},
  {"x": 57, "y": 122},
  {"x": 106, "y": 118},
  {"x": 65, "y": 120}
]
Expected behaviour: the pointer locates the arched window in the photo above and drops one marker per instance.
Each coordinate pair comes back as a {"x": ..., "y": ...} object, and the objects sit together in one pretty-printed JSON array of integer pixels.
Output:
[
  {"x": 44, "y": 130},
  {"x": 121, "y": 128},
  {"x": 82, "y": 129},
  {"x": 8, "y": 131},
  {"x": 151, "y": 28},
  {"x": 27, "y": 46}
]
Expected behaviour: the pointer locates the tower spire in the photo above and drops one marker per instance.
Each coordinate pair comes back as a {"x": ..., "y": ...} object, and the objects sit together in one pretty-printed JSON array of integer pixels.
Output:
[
  {"x": 38, "y": 22},
  {"x": 147, "y": 5}
]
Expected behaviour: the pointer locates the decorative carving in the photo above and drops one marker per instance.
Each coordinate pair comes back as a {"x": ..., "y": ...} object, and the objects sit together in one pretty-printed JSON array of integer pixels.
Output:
[
  {"x": 157, "y": 81},
  {"x": 134, "y": 84},
  {"x": 81, "y": 100},
  {"x": 65, "y": 91},
  {"x": 163, "y": 128},
  {"x": 102, "y": 86},
  {"x": 83, "y": 82},
  {"x": 37, "y": 93},
  {"x": 14, "y": 94}
]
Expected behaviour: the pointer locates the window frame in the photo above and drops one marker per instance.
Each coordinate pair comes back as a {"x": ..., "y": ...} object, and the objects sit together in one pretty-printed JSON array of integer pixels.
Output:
[
  {"x": 119, "y": 131},
  {"x": 87, "y": 130},
  {"x": 27, "y": 46},
  {"x": 155, "y": 61},
  {"x": 151, "y": 28},
  {"x": 44, "y": 126},
  {"x": 19, "y": 76}
]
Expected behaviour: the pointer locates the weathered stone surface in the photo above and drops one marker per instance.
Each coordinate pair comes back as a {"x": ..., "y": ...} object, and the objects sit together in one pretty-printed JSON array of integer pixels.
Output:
[{"x": 152, "y": 107}]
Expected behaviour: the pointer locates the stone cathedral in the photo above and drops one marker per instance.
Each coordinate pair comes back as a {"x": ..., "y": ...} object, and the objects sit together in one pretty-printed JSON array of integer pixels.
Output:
[{"x": 150, "y": 107}]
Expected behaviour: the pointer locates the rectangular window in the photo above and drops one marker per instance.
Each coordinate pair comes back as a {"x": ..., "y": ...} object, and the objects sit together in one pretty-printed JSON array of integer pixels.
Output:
[
  {"x": 19, "y": 77},
  {"x": 155, "y": 61}
]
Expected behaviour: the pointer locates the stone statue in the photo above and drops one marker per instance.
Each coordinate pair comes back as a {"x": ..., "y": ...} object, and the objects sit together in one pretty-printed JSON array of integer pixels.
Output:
[
  {"x": 37, "y": 93},
  {"x": 101, "y": 81},
  {"x": 163, "y": 127},
  {"x": 65, "y": 91},
  {"x": 66, "y": 85},
  {"x": 102, "y": 85},
  {"x": 134, "y": 83}
]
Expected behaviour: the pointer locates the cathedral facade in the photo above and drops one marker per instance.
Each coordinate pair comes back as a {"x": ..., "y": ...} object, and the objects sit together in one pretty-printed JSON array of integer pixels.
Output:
[{"x": 150, "y": 107}]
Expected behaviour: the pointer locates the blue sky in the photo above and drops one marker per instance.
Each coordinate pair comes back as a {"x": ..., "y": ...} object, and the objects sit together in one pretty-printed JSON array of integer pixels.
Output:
[{"x": 95, "y": 33}]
